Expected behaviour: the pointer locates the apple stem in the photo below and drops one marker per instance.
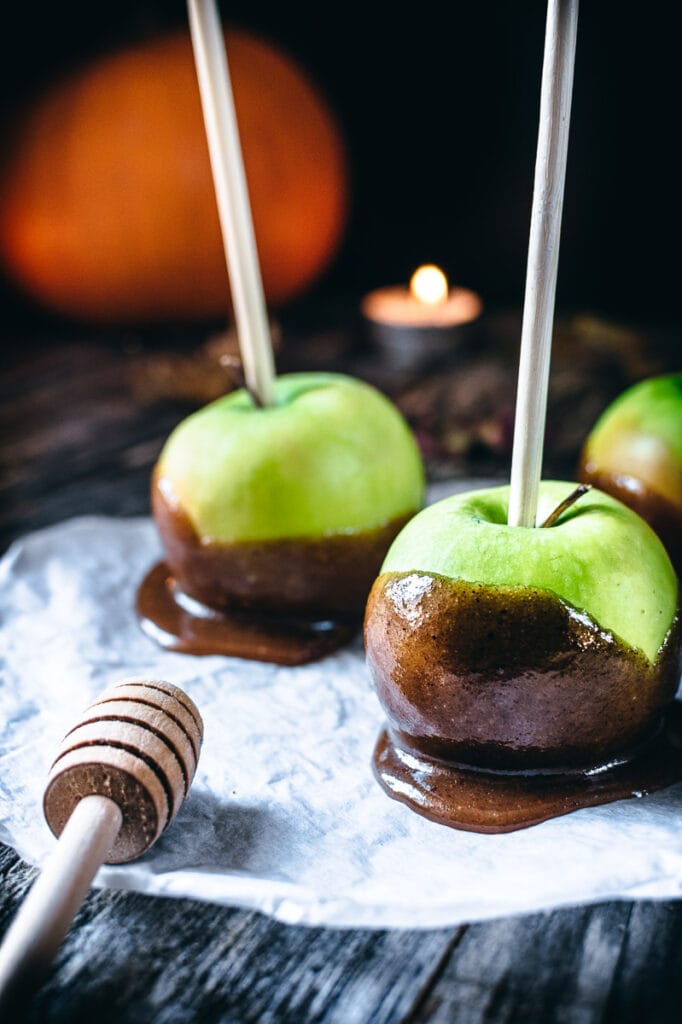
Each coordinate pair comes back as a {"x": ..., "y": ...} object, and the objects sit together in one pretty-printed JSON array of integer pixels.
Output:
[
  {"x": 566, "y": 503},
  {"x": 232, "y": 196},
  {"x": 543, "y": 260}
]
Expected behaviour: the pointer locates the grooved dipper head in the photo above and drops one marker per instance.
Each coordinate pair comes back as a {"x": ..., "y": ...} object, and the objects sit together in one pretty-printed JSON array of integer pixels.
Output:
[{"x": 137, "y": 744}]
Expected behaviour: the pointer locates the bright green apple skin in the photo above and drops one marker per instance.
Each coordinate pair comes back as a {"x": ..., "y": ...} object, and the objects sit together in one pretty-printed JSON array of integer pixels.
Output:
[
  {"x": 640, "y": 436},
  {"x": 332, "y": 455},
  {"x": 600, "y": 557}
]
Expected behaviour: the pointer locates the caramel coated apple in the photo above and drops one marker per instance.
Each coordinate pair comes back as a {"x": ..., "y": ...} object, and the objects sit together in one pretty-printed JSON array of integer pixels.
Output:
[
  {"x": 520, "y": 668},
  {"x": 634, "y": 452},
  {"x": 279, "y": 518}
]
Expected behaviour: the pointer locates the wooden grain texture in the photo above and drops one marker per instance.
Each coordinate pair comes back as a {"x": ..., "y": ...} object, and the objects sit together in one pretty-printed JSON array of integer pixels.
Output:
[
  {"x": 132, "y": 958},
  {"x": 554, "y": 966},
  {"x": 76, "y": 437}
]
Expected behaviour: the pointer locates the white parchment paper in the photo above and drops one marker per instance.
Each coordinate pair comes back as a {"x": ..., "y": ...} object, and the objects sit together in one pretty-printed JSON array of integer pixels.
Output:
[{"x": 284, "y": 815}]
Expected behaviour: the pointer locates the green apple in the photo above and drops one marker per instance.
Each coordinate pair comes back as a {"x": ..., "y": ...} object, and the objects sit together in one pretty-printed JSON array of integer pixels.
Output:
[
  {"x": 634, "y": 452},
  {"x": 600, "y": 557},
  {"x": 286, "y": 511},
  {"x": 514, "y": 648},
  {"x": 332, "y": 455}
]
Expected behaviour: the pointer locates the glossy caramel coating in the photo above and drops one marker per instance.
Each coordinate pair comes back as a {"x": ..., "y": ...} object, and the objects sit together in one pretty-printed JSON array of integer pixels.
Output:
[
  {"x": 508, "y": 678},
  {"x": 492, "y": 802},
  {"x": 176, "y": 624},
  {"x": 507, "y": 707},
  {"x": 319, "y": 577}
]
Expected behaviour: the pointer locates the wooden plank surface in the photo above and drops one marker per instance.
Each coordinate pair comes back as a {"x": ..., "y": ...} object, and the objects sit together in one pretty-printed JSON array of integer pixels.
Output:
[
  {"x": 81, "y": 424},
  {"x": 134, "y": 958}
]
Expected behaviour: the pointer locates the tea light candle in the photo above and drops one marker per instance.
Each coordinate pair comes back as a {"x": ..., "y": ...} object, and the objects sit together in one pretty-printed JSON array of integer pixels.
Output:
[{"x": 419, "y": 322}]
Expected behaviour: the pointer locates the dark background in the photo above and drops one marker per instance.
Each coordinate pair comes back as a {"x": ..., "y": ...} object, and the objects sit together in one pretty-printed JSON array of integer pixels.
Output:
[{"x": 439, "y": 109}]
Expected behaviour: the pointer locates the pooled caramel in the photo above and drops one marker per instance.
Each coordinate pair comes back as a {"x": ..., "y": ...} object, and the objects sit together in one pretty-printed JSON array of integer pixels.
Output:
[
  {"x": 479, "y": 801},
  {"x": 505, "y": 706},
  {"x": 287, "y": 601},
  {"x": 178, "y": 623}
]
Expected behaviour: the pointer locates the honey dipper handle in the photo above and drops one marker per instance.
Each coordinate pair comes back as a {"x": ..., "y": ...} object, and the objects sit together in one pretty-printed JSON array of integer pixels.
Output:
[{"x": 45, "y": 915}]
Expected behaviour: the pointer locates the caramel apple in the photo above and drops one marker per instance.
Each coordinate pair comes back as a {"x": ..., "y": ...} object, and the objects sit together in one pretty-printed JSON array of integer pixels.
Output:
[
  {"x": 275, "y": 521},
  {"x": 634, "y": 452},
  {"x": 524, "y": 672}
]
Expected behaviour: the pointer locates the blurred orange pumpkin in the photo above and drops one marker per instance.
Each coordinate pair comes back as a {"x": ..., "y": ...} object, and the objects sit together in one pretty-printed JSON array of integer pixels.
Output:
[{"x": 107, "y": 209}]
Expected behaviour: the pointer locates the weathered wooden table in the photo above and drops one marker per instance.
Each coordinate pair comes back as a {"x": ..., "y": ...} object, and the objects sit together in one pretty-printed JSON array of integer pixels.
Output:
[{"x": 81, "y": 422}]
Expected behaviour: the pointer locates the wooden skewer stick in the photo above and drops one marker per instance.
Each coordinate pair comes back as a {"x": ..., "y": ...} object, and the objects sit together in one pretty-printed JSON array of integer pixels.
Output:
[
  {"x": 232, "y": 196},
  {"x": 118, "y": 780},
  {"x": 543, "y": 260}
]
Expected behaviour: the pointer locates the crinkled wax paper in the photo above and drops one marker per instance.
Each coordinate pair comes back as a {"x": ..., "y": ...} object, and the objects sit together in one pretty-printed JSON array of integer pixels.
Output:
[{"x": 284, "y": 814}]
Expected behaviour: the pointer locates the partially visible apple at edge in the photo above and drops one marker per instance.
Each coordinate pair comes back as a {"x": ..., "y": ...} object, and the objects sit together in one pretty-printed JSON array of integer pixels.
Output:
[{"x": 634, "y": 452}]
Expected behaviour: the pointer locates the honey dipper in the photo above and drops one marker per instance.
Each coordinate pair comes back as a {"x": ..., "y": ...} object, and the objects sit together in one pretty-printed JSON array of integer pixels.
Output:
[{"x": 119, "y": 779}]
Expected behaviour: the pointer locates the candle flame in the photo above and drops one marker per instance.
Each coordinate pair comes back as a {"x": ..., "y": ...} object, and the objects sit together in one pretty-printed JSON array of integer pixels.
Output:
[{"x": 429, "y": 284}]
